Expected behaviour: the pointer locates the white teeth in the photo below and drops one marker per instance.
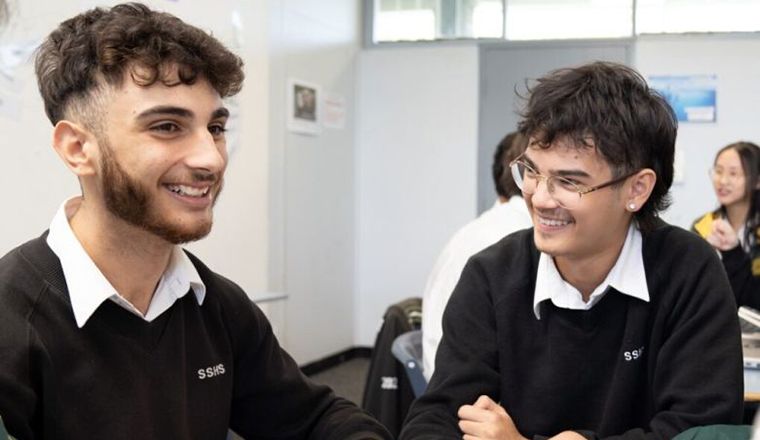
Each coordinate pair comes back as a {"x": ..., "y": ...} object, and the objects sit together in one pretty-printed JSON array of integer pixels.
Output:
[
  {"x": 552, "y": 222},
  {"x": 188, "y": 190}
]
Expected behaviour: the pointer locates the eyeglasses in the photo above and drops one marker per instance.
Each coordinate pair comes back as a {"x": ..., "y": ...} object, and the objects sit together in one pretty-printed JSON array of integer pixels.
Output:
[
  {"x": 564, "y": 191},
  {"x": 730, "y": 175}
]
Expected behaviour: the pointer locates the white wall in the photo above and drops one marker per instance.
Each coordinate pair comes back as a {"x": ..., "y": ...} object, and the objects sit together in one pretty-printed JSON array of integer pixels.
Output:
[
  {"x": 312, "y": 178},
  {"x": 35, "y": 180},
  {"x": 733, "y": 60},
  {"x": 417, "y": 161}
]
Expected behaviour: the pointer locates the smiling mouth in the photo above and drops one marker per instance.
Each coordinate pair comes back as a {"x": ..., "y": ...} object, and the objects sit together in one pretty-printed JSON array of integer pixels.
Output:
[
  {"x": 543, "y": 221},
  {"x": 189, "y": 191}
]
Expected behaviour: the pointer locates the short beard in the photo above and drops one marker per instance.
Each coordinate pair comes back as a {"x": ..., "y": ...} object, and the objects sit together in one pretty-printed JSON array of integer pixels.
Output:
[{"x": 128, "y": 200}]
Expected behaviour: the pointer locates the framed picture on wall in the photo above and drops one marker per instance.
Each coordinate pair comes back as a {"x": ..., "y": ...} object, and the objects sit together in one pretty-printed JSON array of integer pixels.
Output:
[{"x": 303, "y": 107}]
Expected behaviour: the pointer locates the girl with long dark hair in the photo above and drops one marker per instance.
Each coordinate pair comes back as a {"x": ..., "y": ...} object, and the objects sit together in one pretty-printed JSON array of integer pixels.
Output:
[{"x": 734, "y": 228}]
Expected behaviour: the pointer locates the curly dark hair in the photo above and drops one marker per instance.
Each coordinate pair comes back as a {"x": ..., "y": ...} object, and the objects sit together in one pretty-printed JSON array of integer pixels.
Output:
[
  {"x": 608, "y": 106},
  {"x": 510, "y": 147},
  {"x": 100, "y": 45}
]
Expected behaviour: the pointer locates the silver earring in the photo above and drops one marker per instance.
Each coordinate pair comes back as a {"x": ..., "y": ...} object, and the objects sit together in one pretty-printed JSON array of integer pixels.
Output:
[{"x": 632, "y": 206}]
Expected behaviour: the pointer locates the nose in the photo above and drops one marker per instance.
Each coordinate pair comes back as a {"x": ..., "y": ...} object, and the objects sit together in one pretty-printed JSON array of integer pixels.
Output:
[
  {"x": 541, "y": 197},
  {"x": 207, "y": 153}
]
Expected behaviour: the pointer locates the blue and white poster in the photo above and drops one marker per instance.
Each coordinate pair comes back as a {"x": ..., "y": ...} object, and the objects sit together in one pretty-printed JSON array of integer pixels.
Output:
[{"x": 692, "y": 97}]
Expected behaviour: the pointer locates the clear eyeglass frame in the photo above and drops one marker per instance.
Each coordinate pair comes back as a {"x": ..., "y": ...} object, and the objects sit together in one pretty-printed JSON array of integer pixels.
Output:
[{"x": 518, "y": 168}]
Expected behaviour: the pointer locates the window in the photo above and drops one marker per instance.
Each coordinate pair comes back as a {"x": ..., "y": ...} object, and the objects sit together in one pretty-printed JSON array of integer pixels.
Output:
[
  {"x": 412, "y": 20},
  {"x": 488, "y": 19},
  {"x": 677, "y": 16},
  {"x": 427, "y": 20},
  {"x": 562, "y": 19},
  {"x": 405, "y": 25}
]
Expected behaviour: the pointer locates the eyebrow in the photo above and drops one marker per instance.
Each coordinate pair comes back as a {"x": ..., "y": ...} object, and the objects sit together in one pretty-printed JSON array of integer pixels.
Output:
[
  {"x": 221, "y": 112},
  {"x": 560, "y": 173},
  {"x": 163, "y": 110}
]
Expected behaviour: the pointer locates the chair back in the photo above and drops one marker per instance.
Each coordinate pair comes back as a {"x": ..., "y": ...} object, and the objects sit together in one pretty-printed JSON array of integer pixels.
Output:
[{"x": 407, "y": 348}]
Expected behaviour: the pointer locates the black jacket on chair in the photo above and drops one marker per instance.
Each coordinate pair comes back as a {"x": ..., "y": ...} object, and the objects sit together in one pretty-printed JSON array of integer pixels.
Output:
[{"x": 388, "y": 393}]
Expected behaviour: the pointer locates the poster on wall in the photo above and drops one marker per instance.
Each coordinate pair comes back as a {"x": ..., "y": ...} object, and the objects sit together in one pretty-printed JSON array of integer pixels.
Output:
[
  {"x": 303, "y": 107},
  {"x": 334, "y": 112},
  {"x": 692, "y": 97}
]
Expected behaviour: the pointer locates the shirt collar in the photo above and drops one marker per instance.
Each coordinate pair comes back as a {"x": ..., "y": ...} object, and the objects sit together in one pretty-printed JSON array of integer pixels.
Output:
[
  {"x": 88, "y": 287},
  {"x": 627, "y": 276}
]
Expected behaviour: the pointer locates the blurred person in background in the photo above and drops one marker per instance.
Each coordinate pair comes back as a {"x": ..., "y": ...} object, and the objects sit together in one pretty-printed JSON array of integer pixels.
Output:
[
  {"x": 733, "y": 228},
  {"x": 508, "y": 214}
]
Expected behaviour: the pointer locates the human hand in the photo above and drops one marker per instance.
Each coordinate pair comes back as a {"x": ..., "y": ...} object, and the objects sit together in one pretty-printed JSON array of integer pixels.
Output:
[
  {"x": 568, "y": 435},
  {"x": 722, "y": 237},
  {"x": 487, "y": 420}
]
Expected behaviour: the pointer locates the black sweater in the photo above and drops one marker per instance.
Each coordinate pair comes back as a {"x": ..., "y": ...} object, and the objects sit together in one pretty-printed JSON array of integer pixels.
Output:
[
  {"x": 744, "y": 283},
  {"x": 192, "y": 373},
  {"x": 624, "y": 369}
]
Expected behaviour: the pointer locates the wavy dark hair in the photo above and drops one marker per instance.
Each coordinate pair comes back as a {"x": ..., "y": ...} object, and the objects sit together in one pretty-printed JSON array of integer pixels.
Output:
[
  {"x": 101, "y": 45},
  {"x": 510, "y": 147},
  {"x": 608, "y": 106},
  {"x": 749, "y": 154}
]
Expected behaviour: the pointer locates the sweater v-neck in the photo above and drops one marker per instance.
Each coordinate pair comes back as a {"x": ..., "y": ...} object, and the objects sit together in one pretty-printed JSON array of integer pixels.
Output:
[{"x": 110, "y": 317}]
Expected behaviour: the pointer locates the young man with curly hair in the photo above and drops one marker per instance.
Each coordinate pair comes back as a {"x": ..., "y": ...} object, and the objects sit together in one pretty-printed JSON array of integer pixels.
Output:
[
  {"x": 110, "y": 329},
  {"x": 602, "y": 321}
]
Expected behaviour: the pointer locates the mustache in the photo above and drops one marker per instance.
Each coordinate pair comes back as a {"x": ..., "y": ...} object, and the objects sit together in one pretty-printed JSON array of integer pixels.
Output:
[
  {"x": 560, "y": 214},
  {"x": 204, "y": 177}
]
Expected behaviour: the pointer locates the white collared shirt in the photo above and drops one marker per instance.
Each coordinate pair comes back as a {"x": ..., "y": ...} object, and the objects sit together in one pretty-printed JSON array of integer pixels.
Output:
[
  {"x": 627, "y": 276},
  {"x": 88, "y": 287}
]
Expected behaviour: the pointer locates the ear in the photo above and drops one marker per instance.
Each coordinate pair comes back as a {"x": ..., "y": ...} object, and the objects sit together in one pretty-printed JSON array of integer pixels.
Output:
[
  {"x": 640, "y": 188},
  {"x": 77, "y": 147}
]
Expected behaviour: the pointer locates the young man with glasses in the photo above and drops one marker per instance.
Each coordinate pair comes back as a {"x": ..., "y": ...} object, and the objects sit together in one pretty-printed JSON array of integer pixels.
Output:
[{"x": 601, "y": 320}]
